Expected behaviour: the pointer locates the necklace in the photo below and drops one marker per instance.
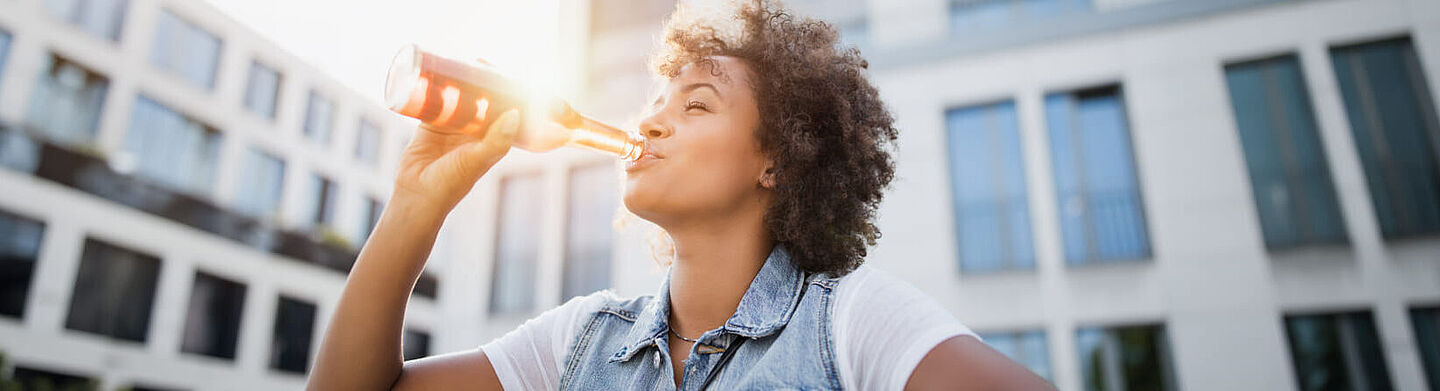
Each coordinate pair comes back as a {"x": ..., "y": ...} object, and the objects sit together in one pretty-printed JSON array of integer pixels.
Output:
[{"x": 677, "y": 335}]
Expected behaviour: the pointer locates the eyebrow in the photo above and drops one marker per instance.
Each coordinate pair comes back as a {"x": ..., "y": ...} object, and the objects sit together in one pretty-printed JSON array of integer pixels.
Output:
[{"x": 687, "y": 88}]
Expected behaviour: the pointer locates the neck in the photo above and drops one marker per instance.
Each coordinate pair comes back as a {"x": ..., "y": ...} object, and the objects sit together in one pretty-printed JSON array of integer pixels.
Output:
[{"x": 715, "y": 261}]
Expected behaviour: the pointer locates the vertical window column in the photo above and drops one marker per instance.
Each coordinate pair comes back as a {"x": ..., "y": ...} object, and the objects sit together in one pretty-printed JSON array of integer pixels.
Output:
[{"x": 987, "y": 181}]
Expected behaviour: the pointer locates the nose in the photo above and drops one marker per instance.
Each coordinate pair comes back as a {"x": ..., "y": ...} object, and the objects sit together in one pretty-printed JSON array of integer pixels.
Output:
[{"x": 654, "y": 126}]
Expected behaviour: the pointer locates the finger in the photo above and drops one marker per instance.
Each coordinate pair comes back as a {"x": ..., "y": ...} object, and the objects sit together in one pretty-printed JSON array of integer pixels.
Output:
[{"x": 497, "y": 140}]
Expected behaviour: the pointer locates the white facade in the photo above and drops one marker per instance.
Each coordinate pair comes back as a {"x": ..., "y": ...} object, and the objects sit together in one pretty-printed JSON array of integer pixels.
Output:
[{"x": 1210, "y": 282}]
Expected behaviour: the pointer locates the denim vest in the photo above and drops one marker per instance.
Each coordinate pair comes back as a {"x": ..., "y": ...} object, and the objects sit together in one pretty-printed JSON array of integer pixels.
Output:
[{"x": 778, "y": 338}]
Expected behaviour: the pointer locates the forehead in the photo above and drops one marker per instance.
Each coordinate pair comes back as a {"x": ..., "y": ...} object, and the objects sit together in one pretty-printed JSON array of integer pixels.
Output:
[{"x": 724, "y": 71}]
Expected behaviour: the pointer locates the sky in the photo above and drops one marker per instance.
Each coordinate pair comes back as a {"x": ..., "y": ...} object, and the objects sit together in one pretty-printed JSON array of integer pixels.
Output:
[{"x": 354, "y": 40}]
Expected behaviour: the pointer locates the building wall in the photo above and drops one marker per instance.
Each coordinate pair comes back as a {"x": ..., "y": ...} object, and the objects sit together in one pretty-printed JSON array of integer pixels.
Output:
[{"x": 1219, "y": 293}]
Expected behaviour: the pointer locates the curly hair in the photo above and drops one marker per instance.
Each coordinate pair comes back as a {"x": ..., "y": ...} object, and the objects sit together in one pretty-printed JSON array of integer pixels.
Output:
[{"x": 821, "y": 122}]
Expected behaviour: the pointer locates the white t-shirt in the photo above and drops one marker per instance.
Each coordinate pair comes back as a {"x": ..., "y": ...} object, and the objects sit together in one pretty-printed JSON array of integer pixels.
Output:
[{"x": 883, "y": 327}]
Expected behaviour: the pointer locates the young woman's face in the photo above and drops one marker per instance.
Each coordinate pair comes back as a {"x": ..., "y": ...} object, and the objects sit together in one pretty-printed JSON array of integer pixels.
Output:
[{"x": 704, "y": 158}]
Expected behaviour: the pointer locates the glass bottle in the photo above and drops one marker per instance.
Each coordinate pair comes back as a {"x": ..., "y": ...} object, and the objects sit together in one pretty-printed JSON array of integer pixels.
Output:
[{"x": 453, "y": 96}]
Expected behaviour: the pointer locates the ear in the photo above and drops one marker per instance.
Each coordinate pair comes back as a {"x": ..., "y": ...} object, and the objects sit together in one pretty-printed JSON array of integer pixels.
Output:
[{"x": 767, "y": 177}]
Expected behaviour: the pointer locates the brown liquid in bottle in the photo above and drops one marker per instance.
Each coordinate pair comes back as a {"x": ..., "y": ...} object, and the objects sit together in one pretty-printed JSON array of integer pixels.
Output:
[{"x": 451, "y": 96}]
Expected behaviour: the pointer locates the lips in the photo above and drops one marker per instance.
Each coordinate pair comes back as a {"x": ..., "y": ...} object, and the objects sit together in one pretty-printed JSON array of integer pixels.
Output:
[{"x": 649, "y": 157}]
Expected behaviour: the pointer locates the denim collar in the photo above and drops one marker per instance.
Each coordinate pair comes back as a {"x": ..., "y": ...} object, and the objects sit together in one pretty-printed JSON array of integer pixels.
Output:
[{"x": 765, "y": 308}]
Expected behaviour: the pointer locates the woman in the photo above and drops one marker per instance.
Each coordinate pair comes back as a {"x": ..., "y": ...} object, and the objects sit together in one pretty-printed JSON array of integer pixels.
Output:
[{"x": 766, "y": 157}]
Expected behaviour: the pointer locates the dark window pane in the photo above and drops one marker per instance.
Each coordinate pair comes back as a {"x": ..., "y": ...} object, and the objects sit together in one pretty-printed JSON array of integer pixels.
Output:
[
  {"x": 323, "y": 203},
  {"x": 1102, "y": 217},
  {"x": 1395, "y": 132},
  {"x": 4, "y": 49},
  {"x": 1289, "y": 176},
  {"x": 1337, "y": 352},
  {"x": 992, "y": 215},
  {"x": 1125, "y": 358},
  {"x": 426, "y": 286},
  {"x": 1427, "y": 338},
  {"x": 373, "y": 209},
  {"x": 594, "y": 195},
  {"x": 1029, "y": 348},
  {"x": 212, "y": 323},
  {"x": 67, "y": 100},
  {"x": 171, "y": 148},
  {"x": 262, "y": 89},
  {"x": 512, "y": 284},
  {"x": 185, "y": 49},
  {"x": 40, "y": 379},
  {"x": 261, "y": 184},
  {"x": 319, "y": 114},
  {"x": 367, "y": 143},
  {"x": 114, "y": 292},
  {"x": 416, "y": 344},
  {"x": 294, "y": 326},
  {"x": 19, "y": 250},
  {"x": 103, "y": 18}
]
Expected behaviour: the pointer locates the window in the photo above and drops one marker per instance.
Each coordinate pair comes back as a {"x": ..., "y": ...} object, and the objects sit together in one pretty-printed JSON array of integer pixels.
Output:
[
  {"x": 416, "y": 344},
  {"x": 1028, "y": 348},
  {"x": 1125, "y": 358},
  {"x": 4, "y": 49},
  {"x": 969, "y": 16},
  {"x": 171, "y": 148},
  {"x": 992, "y": 219},
  {"x": 19, "y": 250},
  {"x": 512, "y": 286},
  {"x": 367, "y": 143},
  {"x": 1395, "y": 130},
  {"x": 294, "y": 326},
  {"x": 185, "y": 49},
  {"x": 1427, "y": 338},
  {"x": 262, "y": 89},
  {"x": 67, "y": 101},
  {"x": 323, "y": 204},
  {"x": 212, "y": 323},
  {"x": 372, "y": 211},
  {"x": 103, "y": 18},
  {"x": 1289, "y": 176},
  {"x": 114, "y": 292},
  {"x": 594, "y": 197},
  {"x": 319, "y": 113},
  {"x": 40, "y": 379},
  {"x": 1101, "y": 214},
  {"x": 261, "y": 183},
  {"x": 1337, "y": 351}
]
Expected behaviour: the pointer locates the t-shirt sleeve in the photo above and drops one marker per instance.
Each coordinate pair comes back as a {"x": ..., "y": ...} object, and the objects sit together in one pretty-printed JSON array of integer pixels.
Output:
[
  {"x": 531, "y": 356},
  {"x": 883, "y": 327}
]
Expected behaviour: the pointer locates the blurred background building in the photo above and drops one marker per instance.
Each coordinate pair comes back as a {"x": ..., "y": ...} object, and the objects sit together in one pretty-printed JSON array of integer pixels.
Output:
[{"x": 1120, "y": 194}]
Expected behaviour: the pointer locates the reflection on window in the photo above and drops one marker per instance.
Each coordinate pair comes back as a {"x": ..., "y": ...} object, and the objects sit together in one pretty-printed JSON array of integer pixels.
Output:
[
  {"x": 19, "y": 250},
  {"x": 322, "y": 203},
  {"x": 992, "y": 218},
  {"x": 1339, "y": 351},
  {"x": 67, "y": 101},
  {"x": 1426, "y": 322},
  {"x": 212, "y": 323},
  {"x": 416, "y": 344},
  {"x": 114, "y": 292},
  {"x": 262, "y": 88},
  {"x": 1125, "y": 358},
  {"x": 590, "y": 234},
  {"x": 968, "y": 16},
  {"x": 103, "y": 18},
  {"x": 1289, "y": 176},
  {"x": 319, "y": 113},
  {"x": 294, "y": 327},
  {"x": 185, "y": 49},
  {"x": 1028, "y": 348},
  {"x": 367, "y": 143},
  {"x": 512, "y": 283},
  {"x": 1395, "y": 131},
  {"x": 262, "y": 180},
  {"x": 171, "y": 148},
  {"x": 1102, "y": 218}
]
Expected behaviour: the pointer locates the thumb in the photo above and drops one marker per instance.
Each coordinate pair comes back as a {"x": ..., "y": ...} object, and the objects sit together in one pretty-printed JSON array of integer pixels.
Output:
[{"x": 497, "y": 140}]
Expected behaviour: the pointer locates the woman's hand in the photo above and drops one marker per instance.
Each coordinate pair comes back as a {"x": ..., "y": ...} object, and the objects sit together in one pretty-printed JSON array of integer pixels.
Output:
[{"x": 437, "y": 169}]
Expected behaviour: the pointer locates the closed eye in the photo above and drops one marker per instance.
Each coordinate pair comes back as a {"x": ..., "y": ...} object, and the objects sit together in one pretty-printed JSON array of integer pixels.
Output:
[{"x": 695, "y": 105}]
